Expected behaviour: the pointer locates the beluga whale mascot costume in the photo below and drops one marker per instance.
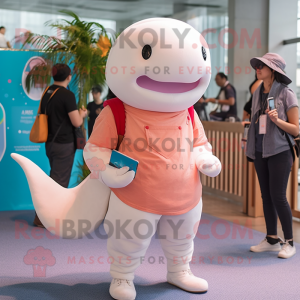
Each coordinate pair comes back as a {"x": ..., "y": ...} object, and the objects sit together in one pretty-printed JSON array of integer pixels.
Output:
[{"x": 158, "y": 69}]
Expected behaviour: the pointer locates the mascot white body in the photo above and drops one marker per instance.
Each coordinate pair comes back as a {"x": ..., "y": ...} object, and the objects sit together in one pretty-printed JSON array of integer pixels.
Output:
[{"x": 158, "y": 68}]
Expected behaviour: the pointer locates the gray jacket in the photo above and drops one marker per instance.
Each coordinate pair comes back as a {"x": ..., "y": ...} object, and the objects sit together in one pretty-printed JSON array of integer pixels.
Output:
[{"x": 274, "y": 141}]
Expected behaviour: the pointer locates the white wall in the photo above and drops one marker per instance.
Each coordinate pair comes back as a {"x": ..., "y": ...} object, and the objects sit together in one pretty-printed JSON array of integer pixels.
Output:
[{"x": 250, "y": 15}]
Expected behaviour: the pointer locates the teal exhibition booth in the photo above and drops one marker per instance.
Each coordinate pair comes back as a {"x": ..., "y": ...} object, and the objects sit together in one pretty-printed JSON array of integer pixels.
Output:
[{"x": 17, "y": 114}]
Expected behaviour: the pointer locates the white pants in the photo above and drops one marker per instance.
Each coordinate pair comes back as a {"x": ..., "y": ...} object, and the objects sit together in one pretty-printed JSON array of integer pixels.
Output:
[{"x": 130, "y": 231}]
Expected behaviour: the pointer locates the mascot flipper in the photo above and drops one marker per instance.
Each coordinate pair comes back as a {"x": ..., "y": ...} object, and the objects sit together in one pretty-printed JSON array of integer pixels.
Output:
[{"x": 56, "y": 205}]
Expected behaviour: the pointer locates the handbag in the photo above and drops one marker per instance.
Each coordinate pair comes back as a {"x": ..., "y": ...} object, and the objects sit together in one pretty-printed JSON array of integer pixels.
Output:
[{"x": 39, "y": 130}]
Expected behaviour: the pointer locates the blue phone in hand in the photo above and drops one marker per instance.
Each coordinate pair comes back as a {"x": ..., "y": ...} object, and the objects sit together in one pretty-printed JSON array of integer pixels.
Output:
[
  {"x": 271, "y": 103},
  {"x": 119, "y": 160}
]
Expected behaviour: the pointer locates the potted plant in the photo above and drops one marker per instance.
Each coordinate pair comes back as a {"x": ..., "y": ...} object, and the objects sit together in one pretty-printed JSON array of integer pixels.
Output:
[{"x": 85, "y": 45}]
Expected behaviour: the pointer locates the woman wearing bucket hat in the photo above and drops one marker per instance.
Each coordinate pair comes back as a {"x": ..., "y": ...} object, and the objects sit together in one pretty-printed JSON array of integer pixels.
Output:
[{"x": 268, "y": 147}]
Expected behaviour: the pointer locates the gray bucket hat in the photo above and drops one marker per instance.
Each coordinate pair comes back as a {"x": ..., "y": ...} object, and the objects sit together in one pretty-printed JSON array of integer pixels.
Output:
[{"x": 275, "y": 62}]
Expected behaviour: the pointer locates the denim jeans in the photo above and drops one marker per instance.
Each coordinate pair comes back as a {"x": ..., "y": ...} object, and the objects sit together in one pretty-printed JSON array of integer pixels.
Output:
[{"x": 273, "y": 174}]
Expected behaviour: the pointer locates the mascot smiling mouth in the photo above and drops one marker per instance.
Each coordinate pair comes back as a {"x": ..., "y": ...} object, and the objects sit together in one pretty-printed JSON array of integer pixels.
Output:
[{"x": 165, "y": 87}]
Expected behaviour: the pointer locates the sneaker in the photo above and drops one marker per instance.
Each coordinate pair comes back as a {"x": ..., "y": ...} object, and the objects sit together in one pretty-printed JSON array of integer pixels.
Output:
[
  {"x": 287, "y": 251},
  {"x": 122, "y": 289},
  {"x": 186, "y": 281},
  {"x": 265, "y": 246}
]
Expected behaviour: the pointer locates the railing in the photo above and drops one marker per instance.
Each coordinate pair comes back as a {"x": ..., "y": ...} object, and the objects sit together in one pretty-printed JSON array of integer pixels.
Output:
[
  {"x": 238, "y": 179},
  {"x": 225, "y": 139}
]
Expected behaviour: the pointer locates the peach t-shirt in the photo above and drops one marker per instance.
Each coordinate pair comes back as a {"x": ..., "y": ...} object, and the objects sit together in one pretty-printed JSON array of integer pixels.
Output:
[{"x": 167, "y": 180}]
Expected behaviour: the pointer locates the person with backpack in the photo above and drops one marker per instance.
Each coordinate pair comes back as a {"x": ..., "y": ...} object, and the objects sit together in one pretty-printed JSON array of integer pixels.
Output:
[
  {"x": 59, "y": 104},
  {"x": 274, "y": 122},
  {"x": 153, "y": 122}
]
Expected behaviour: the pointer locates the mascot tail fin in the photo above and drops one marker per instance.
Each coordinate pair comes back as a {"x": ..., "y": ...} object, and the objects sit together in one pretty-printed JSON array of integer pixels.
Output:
[{"x": 67, "y": 212}]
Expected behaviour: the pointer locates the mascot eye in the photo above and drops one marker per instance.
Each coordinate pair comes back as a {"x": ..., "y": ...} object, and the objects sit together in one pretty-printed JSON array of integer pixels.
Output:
[
  {"x": 146, "y": 52},
  {"x": 204, "y": 53}
]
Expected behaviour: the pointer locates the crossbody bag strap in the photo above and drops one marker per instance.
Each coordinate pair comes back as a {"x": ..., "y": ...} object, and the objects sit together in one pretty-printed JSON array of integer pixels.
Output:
[
  {"x": 56, "y": 133},
  {"x": 291, "y": 146},
  {"x": 60, "y": 126},
  {"x": 39, "y": 109},
  {"x": 50, "y": 98}
]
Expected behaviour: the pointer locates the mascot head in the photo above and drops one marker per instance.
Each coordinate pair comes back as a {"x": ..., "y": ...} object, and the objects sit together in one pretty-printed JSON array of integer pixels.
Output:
[{"x": 159, "y": 65}]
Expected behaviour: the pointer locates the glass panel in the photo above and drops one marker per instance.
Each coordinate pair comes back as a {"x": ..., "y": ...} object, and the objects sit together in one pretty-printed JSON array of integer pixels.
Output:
[
  {"x": 18, "y": 22},
  {"x": 212, "y": 19}
]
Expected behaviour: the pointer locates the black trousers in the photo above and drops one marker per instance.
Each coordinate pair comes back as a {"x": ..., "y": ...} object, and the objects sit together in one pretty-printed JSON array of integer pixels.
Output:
[
  {"x": 61, "y": 157},
  {"x": 273, "y": 174}
]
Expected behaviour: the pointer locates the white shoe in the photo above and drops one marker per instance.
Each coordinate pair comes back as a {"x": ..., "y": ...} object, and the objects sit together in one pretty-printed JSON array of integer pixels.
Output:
[
  {"x": 287, "y": 251},
  {"x": 186, "y": 281},
  {"x": 265, "y": 246},
  {"x": 122, "y": 289}
]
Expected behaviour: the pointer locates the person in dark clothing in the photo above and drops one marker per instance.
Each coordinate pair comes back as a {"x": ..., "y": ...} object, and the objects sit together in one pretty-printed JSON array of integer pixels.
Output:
[
  {"x": 63, "y": 116},
  {"x": 94, "y": 108},
  {"x": 200, "y": 108},
  {"x": 110, "y": 95},
  {"x": 247, "y": 108},
  {"x": 226, "y": 100}
]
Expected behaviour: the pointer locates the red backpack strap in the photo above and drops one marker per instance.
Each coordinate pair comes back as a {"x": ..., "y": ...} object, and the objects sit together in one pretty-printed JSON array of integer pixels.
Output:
[
  {"x": 191, "y": 113},
  {"x": 118, "y": 110}
]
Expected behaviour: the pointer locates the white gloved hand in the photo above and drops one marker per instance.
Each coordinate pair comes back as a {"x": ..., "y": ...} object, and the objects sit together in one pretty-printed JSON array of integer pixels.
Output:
[
  {"x": 209, "y": 164},
  {"x": 116, "y": 178},
  {"x": 97, "y": 160}
]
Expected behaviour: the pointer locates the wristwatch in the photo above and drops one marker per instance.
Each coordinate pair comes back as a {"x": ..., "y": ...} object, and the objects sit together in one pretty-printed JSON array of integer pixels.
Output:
[{"x": 217, "y": 101}]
